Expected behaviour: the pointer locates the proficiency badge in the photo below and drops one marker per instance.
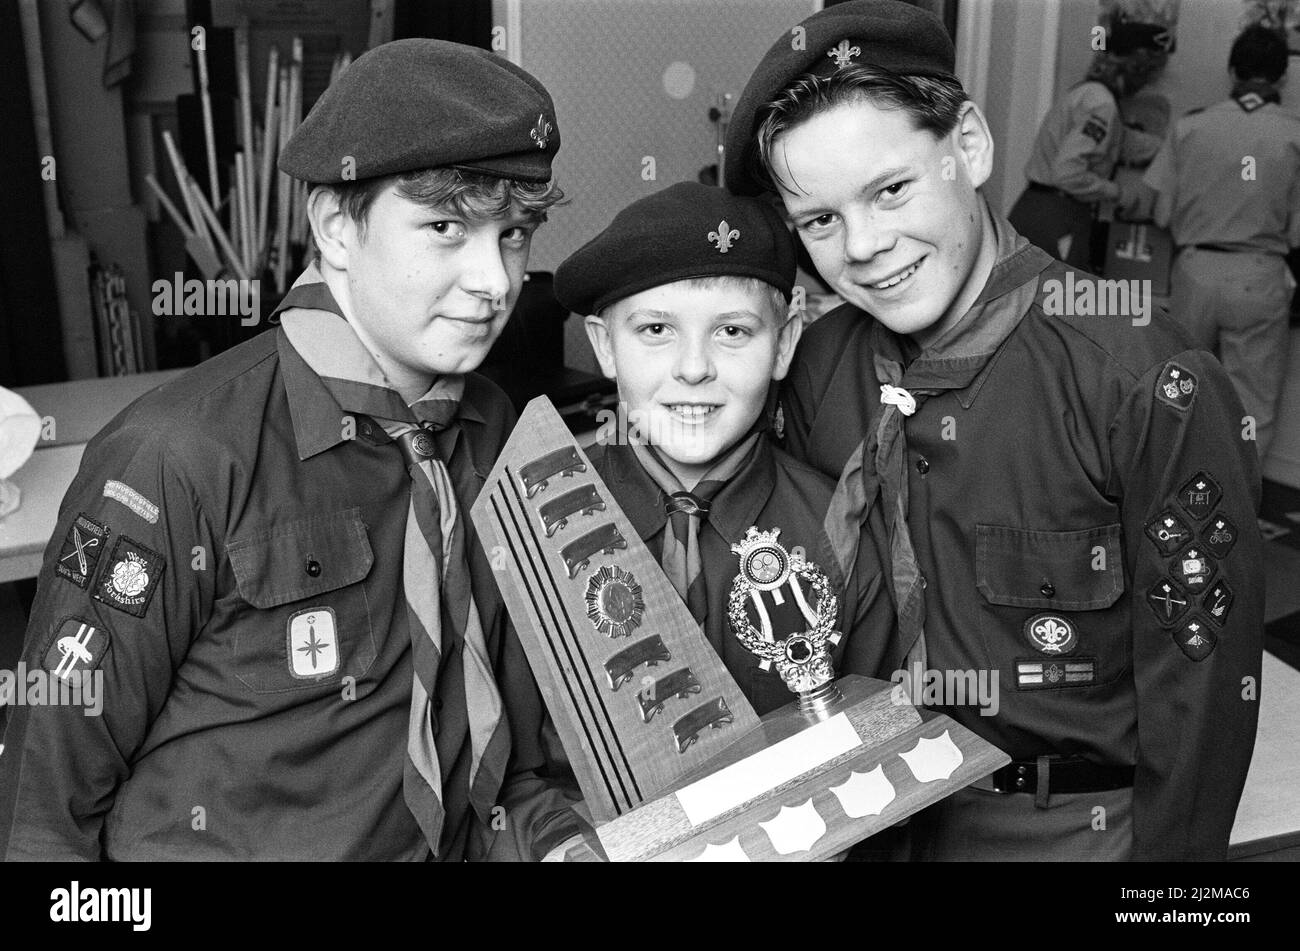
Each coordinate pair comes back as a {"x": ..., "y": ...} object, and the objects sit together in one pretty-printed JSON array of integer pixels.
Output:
[
  {"x": 1168, "y": 531},
  {"x": 1176, "y": 386},
  {"x": 131, "y": 578},
  {"x": 614, "y": 602},
  {"x": 1193, "y": 569},
  {"x": 137, "y": 503},
  {"x": 78, "y": 646},
  {"x": 1218, "y": 602},
  {"x": 1200, "y": 495},
  {"x": 1220, "y": 536},
  {"x": 82, "y": 547},
  {"x": 1051, "y": 634},
  {"x": 1167, "y": 601},
  {"x": 313, "y": 644},
  {"x": 1195, "y": 640}
]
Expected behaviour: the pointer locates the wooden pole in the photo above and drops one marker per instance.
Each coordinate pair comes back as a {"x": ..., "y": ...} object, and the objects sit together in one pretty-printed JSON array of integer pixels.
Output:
[
  {"x": 209, "y": 137},
  {"x": 215, "y": 225},
  {"x": 269, "y": 149},
  {"x": 283, "y": 186}
]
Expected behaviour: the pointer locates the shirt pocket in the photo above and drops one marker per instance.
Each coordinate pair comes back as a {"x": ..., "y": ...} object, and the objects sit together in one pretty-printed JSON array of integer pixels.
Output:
[
  {"x": 308, "y": 618},
  {"x": 1050, "y": 595}
]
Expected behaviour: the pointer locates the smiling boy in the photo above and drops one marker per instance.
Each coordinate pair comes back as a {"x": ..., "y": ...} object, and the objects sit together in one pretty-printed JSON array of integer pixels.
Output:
[
  {"x": 296, "y": 626},
  {"x": 1069, "y": 499}
]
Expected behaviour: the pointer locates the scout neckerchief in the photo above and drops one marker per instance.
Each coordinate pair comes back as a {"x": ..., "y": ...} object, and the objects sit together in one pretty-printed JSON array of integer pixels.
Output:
[
  {"x": 435, "y": 571},
  {"x": 1250, "y": 94},
  {"x": 878, "y": 466},
  {"x": 686, "y": 510}
]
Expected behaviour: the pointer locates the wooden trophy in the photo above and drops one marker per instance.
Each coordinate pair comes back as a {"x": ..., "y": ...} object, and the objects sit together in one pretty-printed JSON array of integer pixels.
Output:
[{"x": 673, "y": 761}]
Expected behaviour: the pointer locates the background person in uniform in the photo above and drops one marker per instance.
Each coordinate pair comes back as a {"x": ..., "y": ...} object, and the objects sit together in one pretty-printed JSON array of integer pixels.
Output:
[
  {"x": 1081, "y": 141},
  {"x": 1068, "y": 498},
  {"x": 265, "y": 559},
  {"x": 1228, "y": 180}
]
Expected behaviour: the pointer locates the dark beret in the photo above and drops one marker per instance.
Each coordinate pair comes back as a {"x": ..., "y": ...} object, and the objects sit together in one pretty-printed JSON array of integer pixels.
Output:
[
  {"x": 686, "y": 230},
  {"x": 1127, "y": 37},
  {"x": 418, "y": 103},
  {"x": 886, "y": 33}
]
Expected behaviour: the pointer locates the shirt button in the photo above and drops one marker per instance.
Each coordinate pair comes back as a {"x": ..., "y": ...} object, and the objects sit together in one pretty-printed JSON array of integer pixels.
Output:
[
  {"x": 313, "y": 567},
  {"x": 1048, "y": 590},
  {"x": 922, "y": 466}
]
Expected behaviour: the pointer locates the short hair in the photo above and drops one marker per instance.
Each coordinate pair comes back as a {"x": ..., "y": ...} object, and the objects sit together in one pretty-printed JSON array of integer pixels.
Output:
[
  {"x": 772, "y": 296},
  {"x": 1259, "y": 52},
  {"x": 469, "y": 194},
  {"x": 933, "y": 103}
]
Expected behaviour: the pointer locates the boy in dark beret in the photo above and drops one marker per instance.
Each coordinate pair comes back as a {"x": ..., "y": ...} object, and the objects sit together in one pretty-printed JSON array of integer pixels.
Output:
[
  {"x": 1070, "y": 502},
  {"x": 268, "y": 561}
]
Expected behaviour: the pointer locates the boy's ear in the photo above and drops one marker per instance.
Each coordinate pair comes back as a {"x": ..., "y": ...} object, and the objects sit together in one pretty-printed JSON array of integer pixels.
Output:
[
  {"x": 974, "y": 143},
  {"x": 786, "y": 342},
  {"x": 331, "y": 228},
  {"x": 598, "y": 334}
]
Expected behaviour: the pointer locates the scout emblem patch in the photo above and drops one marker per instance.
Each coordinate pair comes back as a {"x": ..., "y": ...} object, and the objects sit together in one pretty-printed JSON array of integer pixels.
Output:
[
  {"x": 1200, "y": 495},
  {"x": 843, "y": 54},
  {"x": 313, "y": 644},
  {"x": 1046, "y": 674},
  {"x": 1221, "y": 536},
  {"x": 82, "y": 547},
  {"x": 1167, "y": 601},
  {"x": 1168, "y": 532},
  {"x": 722, "y": 238},
  {"x": 131, "y": 577},
  {"x": 1051, "y": 634},
  {"x": 78, "y": 646},
  {"x": 137, "y": 503},
  {"x": 541, "y": 131},
  {"x": 1218, "y": 602},
  {"x": 1195, "y": 640},
  {"x": 1176, "y": 386}
]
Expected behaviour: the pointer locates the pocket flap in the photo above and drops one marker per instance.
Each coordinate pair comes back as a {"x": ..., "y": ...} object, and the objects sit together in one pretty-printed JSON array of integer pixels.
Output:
[
  {"x": 302, "y": 558},
  {"x": 1069, "y": 571}
]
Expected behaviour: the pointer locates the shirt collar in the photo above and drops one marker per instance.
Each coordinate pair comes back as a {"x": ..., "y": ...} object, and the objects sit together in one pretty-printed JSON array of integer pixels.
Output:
[{"x": 960, "y": 358}]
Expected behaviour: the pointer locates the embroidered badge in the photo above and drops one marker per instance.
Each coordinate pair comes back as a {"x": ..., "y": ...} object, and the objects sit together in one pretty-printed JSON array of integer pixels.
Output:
[
  {"x": 1169, "y": 532},
  {"x": 1176, "y": 386},
  {"x": 1220, "y": 535},
  {"x": 1200, "y": 495},
  {"x": 1095, "y": 129},
  {"x": 1167, "y": 601},
  {"x": 137, "y": 503},
  {"x": 131, "y": 578},
  {"x": 723, "y": 238},
  {"x": 1193, "y": 570},
  {"x": 615, "y": 606},
  {"x": 1195, "y": 640},
  {"x": 1218, "y": 602},
  {"x": 313, "y": 644},
  {"x": 1051, "y": 634},
  {"x": 843, "y": 54},
  {"x": 1250, "y": 101},
  {"x": 1046, "y": 674},
  {"x": 541, "y": 131},
  {"x": 82, "y": 547},
  {"x": 78, "y": 646}
]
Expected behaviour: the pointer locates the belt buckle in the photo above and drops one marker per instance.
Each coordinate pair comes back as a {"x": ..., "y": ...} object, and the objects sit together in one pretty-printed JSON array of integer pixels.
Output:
[{"x": 1016, "y": 778}]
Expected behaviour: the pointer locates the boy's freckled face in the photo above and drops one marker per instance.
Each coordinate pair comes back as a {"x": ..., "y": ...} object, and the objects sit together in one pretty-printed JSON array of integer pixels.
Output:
[
  {"x": 431, "y": 290},
  {"x": 889, "y": 214},
  {"x": 693, "y": 366}
]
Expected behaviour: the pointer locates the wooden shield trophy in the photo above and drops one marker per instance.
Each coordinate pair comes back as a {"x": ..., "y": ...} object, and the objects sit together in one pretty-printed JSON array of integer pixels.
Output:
[{"x": 671, "y": 758}]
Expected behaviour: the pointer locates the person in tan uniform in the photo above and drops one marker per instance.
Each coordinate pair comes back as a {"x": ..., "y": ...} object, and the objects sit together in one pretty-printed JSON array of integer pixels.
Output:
[{"x": 1228, "y": 183}]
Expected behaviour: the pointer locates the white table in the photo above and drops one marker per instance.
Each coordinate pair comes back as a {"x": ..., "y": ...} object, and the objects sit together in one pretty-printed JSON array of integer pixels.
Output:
[{"x": 1268, "y": 817}]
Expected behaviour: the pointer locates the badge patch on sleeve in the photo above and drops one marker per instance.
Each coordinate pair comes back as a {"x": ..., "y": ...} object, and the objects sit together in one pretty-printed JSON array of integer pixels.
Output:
[
  {"x": 1195, "y": 640},
  {"x": 313, "y": 644},
  {"x": 131, "y": 577},
  {"x": 77, "y": 646},
  {"x": 81, "y": 549},
  {"x": 1176, "y": 386},
  {"x": 137, "y": 503}
]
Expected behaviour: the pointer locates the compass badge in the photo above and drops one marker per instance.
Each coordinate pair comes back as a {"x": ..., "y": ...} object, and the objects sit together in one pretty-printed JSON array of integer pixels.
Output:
[{"x": 313, "y": 644}]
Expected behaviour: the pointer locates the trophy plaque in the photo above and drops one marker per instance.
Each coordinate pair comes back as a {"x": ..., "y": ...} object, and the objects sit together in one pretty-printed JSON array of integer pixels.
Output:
[{"x": 672, "y": 760}]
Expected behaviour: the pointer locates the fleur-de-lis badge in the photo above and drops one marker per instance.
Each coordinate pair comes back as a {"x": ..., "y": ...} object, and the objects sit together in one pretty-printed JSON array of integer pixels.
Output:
[
  {"x": 724, "y": 236},
  {"x": 541, "y": 131},
  {"x": 843, "y": 54}
]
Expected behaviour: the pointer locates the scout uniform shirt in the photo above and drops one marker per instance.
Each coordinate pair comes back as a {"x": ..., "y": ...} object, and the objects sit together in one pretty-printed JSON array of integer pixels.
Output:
[
  {"x": 771, "y": 490},
  {"x": 1083, "y": 510},
  {"x": 229, "y": 558}
]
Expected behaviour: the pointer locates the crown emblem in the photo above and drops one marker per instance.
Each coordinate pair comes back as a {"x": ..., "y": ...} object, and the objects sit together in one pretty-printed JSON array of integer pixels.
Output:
[
  {"x": 724, "y": 236},
  {"x": 843, "y": 54},
  {"x": 541, "y": 131}
]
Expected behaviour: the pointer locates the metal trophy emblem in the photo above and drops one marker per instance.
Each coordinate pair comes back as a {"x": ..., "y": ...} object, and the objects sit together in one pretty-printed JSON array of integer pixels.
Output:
[{"x": 802, "y": 658}]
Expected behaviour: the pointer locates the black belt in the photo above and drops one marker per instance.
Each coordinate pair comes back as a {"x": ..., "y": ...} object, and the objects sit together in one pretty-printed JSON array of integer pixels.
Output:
[{"x": 1064, "y": 775}]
